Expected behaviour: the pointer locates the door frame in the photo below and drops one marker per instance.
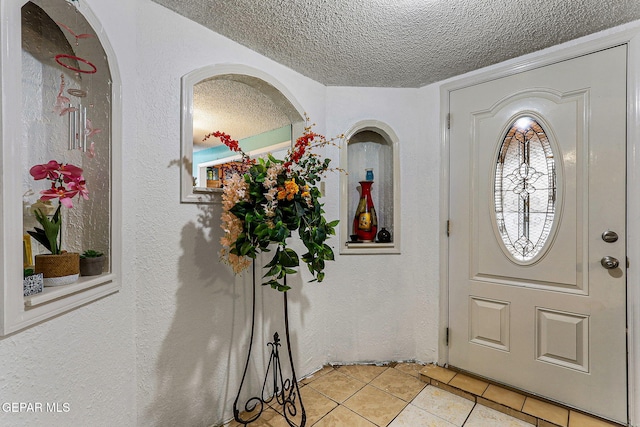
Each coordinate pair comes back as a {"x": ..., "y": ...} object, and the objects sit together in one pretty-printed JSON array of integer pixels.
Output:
[{"x": 628, "y": 34}]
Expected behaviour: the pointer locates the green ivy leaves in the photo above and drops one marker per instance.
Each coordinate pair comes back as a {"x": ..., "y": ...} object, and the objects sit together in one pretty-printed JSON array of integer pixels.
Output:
[
  {"x": 302, "y": 214},
  {"x": 274, "y": 198}
]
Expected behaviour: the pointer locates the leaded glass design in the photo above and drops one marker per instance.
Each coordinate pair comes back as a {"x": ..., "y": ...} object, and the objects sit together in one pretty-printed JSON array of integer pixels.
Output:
[{"x": 525, "y": 189}]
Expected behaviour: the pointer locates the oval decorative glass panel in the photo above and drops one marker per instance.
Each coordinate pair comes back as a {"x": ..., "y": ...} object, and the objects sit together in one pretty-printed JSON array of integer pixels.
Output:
[{"x": 525, "y": 189}]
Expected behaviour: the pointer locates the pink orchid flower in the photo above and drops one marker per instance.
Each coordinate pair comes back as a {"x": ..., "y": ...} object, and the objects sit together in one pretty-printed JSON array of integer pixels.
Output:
[
  {"x": 79, "y": 187},
  {"x": 66, "y": 183},
  {"x": 49, "y": 171},
  {"x": 70, "y": 172},
  {"x": 61, "y": 174},
  {"x": 59, "y": 193}
]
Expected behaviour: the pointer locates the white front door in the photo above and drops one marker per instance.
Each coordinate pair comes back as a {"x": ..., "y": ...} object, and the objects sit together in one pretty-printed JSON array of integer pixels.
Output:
[{"x": 537, "y": 196}]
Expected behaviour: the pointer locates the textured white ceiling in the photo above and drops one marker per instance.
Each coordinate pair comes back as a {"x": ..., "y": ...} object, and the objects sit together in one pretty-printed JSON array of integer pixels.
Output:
[
  {"x": 233, "y": 107},
  {"x": 400, "y": 43},
  {"x": 238, "y": 105}
]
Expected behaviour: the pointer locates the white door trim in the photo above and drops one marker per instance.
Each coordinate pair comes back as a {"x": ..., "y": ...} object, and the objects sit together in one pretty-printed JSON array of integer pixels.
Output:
[{"x": 628, "y": 34}]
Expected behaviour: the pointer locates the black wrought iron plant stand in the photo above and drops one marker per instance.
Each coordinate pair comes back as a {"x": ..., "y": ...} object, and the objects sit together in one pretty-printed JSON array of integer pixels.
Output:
[{"x": 286, "y": 393}]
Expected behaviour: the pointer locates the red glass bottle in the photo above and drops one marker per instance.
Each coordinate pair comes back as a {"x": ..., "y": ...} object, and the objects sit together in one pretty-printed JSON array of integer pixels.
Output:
[{"x": 365, "y": 223}]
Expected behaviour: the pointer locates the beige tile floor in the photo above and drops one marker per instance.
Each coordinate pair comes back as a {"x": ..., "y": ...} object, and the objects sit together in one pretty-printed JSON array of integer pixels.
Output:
[
  {"x": 412, "y": 395},
  {"x": 526, "y": 408}
]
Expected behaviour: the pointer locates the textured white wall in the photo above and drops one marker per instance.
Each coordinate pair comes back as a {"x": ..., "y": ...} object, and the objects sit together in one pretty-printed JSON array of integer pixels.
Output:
[
  {"x": 169, "y": 348},
  {"x": 192, "y": 314},
  {"x": 84, "y": 358},
  {"x": 192, "y": 317},
  {"x": 389, "y": 302}
]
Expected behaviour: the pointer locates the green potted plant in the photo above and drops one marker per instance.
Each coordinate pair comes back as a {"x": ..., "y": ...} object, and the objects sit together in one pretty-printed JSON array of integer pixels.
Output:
[
  {"x": 91, "y": 263},
  {"x": 59, "y": 267}
]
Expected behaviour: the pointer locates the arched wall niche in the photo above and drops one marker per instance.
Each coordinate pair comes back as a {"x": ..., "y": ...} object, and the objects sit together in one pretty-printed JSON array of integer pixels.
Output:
[
  {"x": 67, "y": 81},
  {"x": 246, "y": 103},
  {"x": 60, "y": 102},
  {"x": 370, "y": 144}
]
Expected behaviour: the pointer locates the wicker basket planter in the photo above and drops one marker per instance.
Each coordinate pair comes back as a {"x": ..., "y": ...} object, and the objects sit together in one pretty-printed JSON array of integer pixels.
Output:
[{"x": 58, "y": 270}]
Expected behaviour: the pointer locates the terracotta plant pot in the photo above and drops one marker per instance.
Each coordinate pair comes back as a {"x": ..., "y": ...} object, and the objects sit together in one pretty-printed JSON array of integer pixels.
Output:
[
  {"x": 91, "y": 266},
  {"x": 58, "y": 270}
]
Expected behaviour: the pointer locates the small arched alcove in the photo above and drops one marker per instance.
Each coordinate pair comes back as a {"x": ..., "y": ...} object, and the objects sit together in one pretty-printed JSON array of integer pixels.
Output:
[
  {"x": 245, "y": 103},
  {"x": 370, "y": 146}
]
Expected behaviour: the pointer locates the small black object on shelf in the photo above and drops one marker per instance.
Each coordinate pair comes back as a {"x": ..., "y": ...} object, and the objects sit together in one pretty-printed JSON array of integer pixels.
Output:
[{"x": 384, "y": 236}]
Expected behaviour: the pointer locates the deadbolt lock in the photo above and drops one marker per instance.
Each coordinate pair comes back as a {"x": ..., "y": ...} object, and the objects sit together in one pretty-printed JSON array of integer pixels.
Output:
[{"x": 610, "y": 236}]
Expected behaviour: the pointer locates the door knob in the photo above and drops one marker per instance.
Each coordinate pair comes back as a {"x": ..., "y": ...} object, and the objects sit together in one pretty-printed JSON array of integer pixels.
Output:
[{"x": 609, "y": 262}]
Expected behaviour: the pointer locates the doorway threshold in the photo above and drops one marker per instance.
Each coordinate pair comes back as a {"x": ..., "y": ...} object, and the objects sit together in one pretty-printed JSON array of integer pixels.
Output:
[{"x": 529, "y": 408}]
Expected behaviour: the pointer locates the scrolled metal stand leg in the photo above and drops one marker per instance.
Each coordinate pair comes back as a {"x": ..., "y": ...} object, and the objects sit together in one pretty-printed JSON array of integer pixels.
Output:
[
  {"x": 253, "y": 402},
  {"x": 289, "y": 405},
  {"x": 285, "y": 392}
]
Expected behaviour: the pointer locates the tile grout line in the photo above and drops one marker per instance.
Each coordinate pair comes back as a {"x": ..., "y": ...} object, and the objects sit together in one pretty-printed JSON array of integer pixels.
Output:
[{"x": 469, "y": 414}]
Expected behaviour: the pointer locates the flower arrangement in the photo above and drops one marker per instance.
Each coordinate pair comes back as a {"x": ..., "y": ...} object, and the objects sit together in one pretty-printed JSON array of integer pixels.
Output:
[
  {"x": 265, "y": 200},
  {"x": 66, "y": 183}
]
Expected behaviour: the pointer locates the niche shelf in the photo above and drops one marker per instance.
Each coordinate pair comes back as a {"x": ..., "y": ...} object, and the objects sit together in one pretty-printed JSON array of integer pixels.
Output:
[
  {"x": 69, "y": 90},
  {"x": 370, "y": 145}
]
